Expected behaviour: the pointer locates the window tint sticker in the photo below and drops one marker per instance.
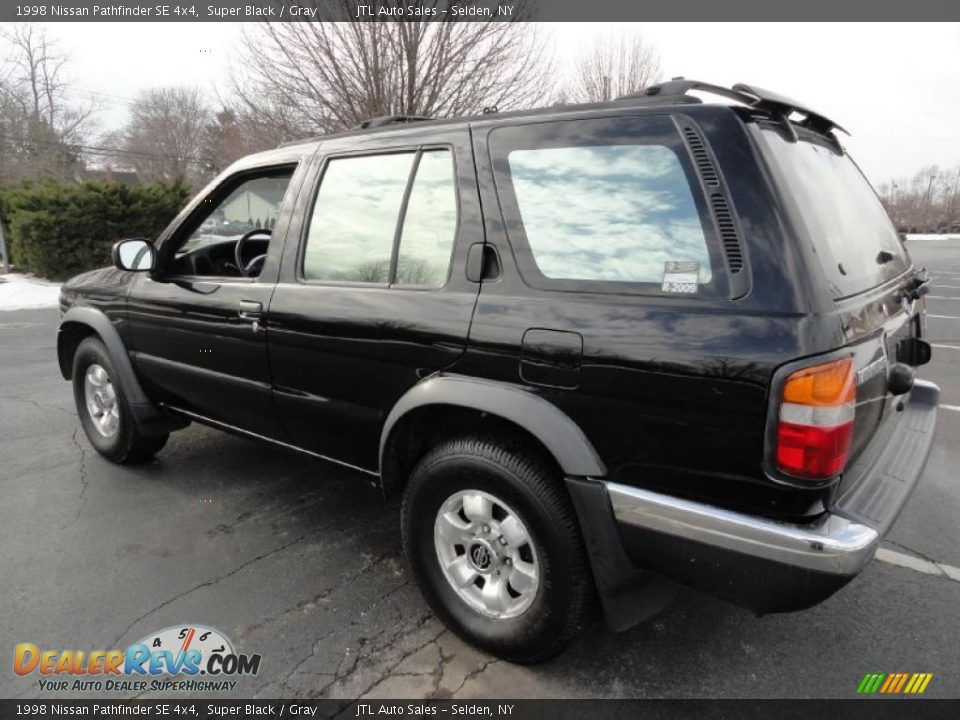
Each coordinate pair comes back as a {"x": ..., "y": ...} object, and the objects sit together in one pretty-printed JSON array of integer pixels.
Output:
[{"x": 681, "y": 277}]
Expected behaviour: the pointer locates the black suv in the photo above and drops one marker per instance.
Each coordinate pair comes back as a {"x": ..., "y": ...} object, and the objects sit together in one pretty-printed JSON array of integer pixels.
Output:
[{"x": 599, "y": 349}]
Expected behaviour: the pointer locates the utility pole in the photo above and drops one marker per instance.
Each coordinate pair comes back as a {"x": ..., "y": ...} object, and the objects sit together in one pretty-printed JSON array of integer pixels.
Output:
[
  {"x": 927, "y": 204},
  {"x": 954, "y": 208},
  {"x": 894, "y": 212},
  {"x": 4, "y": 257}
]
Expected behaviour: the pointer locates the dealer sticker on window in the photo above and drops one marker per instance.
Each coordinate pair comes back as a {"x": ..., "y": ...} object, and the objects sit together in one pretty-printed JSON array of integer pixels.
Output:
[{"x": 681, "y": 277}]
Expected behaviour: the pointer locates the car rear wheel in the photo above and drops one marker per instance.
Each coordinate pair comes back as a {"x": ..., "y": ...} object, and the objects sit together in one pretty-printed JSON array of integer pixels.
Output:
[
  {"x": 496, "y": 549},
  {"x": 103, "y": 409}
]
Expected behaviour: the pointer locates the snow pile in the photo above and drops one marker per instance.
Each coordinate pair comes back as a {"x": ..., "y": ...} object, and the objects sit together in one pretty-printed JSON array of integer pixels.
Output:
[
  {"x": 951, "y": 236},
  {"x": 22, "y": 292}
]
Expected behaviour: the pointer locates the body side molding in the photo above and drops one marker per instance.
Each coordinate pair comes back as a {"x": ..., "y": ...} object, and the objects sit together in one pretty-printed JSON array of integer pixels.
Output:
[{"x": 544, "y": 420}]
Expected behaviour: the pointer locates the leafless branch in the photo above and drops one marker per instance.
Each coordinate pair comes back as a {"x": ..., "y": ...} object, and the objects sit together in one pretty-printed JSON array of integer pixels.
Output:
[
  {"x": 166, "y": 128},
  {"x": 303, "y": 78},
  {"x": 612, "y": 66},
  {"x": 38, "y": 123}
]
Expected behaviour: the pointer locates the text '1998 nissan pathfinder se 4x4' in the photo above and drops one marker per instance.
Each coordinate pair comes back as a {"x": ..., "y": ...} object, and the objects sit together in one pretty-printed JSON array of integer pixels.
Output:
[{"x": 599, "y": 349}]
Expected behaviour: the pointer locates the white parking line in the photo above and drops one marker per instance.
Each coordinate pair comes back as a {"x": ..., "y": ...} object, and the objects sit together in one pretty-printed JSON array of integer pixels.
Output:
[
  {"x": 945, "y": 347},
  {"x": 948, "y": 287},
  {"x": 942, "y": 297},
  {"x": 944, "y": 317},
  {"x": 920, "y": 565},
  {"x": 955, "y": 408}
]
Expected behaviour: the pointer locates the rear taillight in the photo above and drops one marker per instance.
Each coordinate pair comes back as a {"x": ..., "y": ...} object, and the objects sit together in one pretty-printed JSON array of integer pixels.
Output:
[{"x": 816, "y": 420}]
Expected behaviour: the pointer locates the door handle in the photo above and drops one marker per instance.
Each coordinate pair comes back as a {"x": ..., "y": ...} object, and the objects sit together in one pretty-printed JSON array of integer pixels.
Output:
[{"x": 251, "y": 311}]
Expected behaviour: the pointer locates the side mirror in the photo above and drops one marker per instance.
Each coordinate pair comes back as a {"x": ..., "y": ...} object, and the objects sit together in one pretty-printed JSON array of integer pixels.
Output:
[{"x": 134, "y": 255}]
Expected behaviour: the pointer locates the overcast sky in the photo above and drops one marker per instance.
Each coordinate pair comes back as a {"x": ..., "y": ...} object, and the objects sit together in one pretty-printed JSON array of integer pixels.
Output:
[{"x": 895, "y": 87}]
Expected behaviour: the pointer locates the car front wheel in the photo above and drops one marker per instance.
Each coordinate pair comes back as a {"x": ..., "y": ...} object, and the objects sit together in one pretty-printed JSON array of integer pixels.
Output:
[{"x": 103, "y": 409}]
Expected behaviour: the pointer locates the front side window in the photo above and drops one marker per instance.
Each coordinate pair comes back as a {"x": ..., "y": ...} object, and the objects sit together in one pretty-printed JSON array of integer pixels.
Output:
[
  {"x": 253, "y": 204},
  {"x": 384, "y": 219},
  {"x": 595, "y": 202}
]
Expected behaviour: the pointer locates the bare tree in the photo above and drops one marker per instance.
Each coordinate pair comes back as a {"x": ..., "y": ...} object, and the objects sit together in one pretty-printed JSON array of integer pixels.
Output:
[
  {"x": 164, "y": 136},
  {"x": 228, "y": 137},
  {"x": 38, "y": 125},
  {"x": 614, "y": 65},
  {"x": 927, "y": 202},
  {"x": 297, "y": 78}
]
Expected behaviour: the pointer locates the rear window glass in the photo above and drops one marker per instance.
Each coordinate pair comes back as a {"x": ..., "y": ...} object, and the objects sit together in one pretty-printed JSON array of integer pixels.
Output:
[
  {"x": 608, "y": 212},
  {"x": 852, "y": 235}
]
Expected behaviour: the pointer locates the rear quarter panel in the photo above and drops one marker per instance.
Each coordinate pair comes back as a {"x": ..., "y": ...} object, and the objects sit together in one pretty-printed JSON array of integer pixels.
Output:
[{"x": 672, "y": 391}]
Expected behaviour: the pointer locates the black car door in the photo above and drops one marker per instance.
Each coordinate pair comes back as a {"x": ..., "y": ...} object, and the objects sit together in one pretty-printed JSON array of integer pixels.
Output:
[
  {"x": 197, "y": 331},
  {"x": 373, "y": 294}
]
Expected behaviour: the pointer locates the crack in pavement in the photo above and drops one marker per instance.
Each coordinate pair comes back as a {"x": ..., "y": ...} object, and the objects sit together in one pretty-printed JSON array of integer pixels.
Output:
[
  {"x": 342, "y": 673},
  {"x": 82, "y": 472},
  {"x": 918, "y": 564},
  {"x": 42, "y": 406},
  {"x": 440, "y": 669},
  {"x": 322, "y": 595},
  {"x": 474, "y": 673},
  {"x": 389, "y": 671},
  {"x": 208, "y": 583},
  {"x": 912, "y": 550},
  {"x": 279, "y": 510}
]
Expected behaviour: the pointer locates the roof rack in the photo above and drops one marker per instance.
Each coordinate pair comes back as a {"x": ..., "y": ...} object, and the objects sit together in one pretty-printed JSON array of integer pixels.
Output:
[
  {"x": 749, "y": 95},
  {"x": 384, "y": 120}
]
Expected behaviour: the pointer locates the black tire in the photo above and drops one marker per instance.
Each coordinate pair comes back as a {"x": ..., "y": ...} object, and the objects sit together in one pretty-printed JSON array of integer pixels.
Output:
[
  {"x": 126, "y": 445},
  {"x": 524, "y": 479}
]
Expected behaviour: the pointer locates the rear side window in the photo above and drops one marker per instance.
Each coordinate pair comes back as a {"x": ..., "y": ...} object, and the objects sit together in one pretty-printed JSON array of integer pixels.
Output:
[
  {"x": 608, "y": 212},
  {"x": 852, "y": 235},
  {"x": 382, "y": 219},
  {"x": 607, "y": 205}
]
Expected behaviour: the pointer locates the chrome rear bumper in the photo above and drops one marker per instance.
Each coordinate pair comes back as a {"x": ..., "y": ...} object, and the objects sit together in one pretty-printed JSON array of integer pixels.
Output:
[
  {"x": 833, "y": 545},
  {"x": 773, "y": 566}
]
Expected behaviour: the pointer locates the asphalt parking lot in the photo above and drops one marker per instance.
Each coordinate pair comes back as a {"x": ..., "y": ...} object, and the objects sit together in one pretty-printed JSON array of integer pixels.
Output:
[{"x": 301, "y": 562}]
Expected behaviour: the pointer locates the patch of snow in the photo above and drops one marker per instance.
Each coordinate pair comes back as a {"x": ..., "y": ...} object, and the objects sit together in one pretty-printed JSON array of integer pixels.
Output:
[
  {"x": 950, "y": 236},
  {"x": 25, "y": 292}
]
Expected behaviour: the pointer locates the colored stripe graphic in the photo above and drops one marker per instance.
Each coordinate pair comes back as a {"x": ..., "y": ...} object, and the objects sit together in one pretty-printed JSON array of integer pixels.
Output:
[
  {"x": 894, "y": 683},
  {"x": 870, "y": 683},
  {"x": 903, "y": 680}
]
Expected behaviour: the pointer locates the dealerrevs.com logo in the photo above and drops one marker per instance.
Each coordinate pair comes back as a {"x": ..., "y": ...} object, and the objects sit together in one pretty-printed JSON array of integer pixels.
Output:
[{"x": 190, "y": 658}]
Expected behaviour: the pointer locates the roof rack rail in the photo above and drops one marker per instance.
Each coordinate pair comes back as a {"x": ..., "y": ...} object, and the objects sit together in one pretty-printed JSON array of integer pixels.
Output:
[
  {"x": 384, "y": 120},
  {"x": 749, "y": 95}
]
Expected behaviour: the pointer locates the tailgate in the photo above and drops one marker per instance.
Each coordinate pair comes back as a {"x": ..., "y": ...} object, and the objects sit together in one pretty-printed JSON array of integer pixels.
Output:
[{"x": 876, "y": 325}]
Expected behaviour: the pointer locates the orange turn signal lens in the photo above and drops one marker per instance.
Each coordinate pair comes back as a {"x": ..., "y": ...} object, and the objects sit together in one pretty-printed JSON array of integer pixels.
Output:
[{"x": 831, "y": 383}]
